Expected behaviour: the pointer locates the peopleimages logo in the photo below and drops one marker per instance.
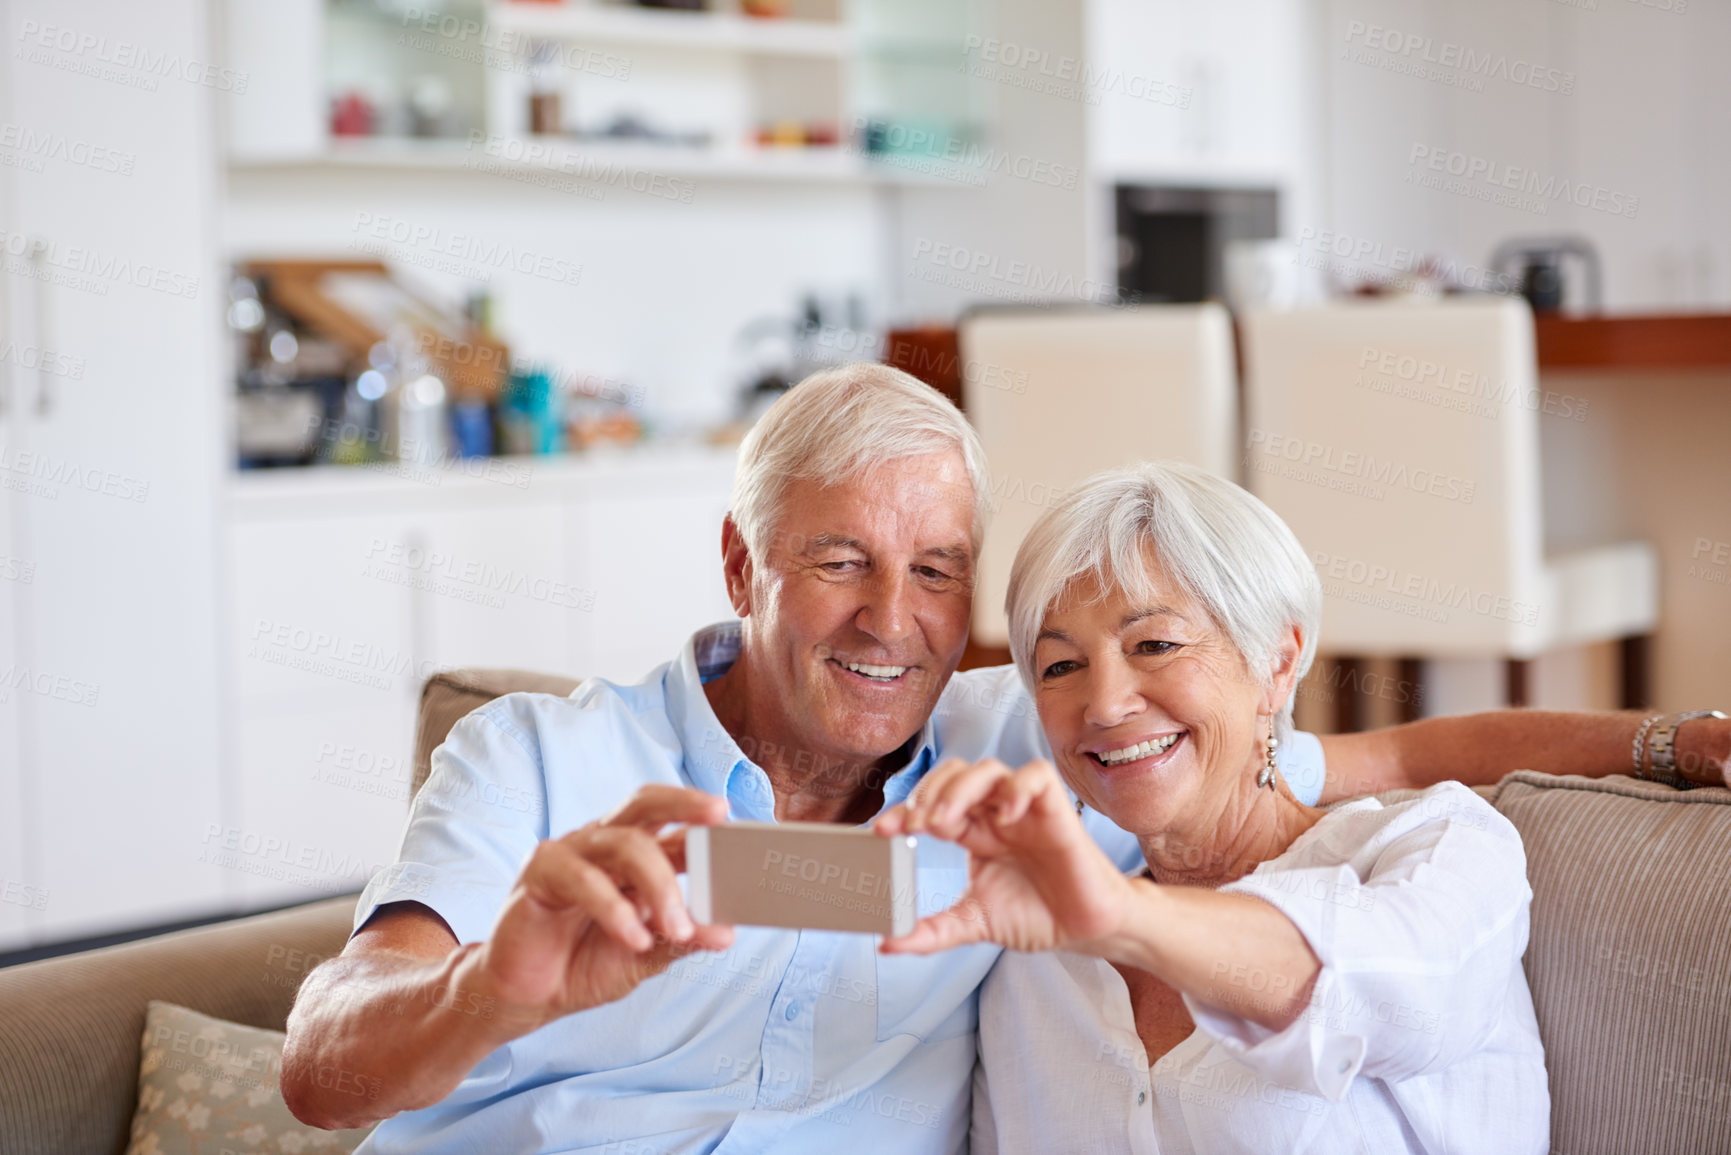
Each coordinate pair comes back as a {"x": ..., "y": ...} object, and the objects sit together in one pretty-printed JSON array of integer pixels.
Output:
[
  {"x": 1526, "y": 188},
  {"x": 120, "y": 61},
  {"x": 1352, "y": 471},
  {"x": 1415, "y": 595},
  {"x": 1457, "y": 58},
  {"x": 1469, "y": 391},
  {"x": 541, "y": 163},
  {"x": 971, "y": 162},
  {"x": 1345, "y": 254},
  {"x": 507, "y": 49},
  {"x": 90, "y": 270},
  {"x": 1066, "y": 77},
  {"x": 43, "y": 146},
  {"x": 938, "y": 262},
  {"x": 404, "y": 239},
  {"x": 27, "y": 467},
  {"x": 60, "y": 687},
  {"x": 1711, "y": 561}
]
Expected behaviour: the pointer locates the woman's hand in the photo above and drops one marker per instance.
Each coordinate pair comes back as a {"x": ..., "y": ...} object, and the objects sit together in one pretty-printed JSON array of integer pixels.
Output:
[{"x": 1036, "y": 879}]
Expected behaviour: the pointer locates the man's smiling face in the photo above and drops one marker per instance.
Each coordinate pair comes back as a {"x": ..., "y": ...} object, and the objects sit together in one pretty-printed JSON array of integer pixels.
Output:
[{"x": 856, "y": 614}]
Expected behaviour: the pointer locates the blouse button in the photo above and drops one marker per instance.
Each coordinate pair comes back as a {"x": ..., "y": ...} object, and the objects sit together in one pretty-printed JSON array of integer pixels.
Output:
[{"x": 1141, "y": 1097}]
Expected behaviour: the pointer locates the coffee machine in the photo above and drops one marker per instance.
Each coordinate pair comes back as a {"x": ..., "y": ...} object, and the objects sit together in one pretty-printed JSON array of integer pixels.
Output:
[{"x": 1535, "y": 264}]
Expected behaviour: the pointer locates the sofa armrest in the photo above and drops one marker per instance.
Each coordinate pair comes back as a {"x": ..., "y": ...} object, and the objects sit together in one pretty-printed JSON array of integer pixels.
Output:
[{"x": 69, "y": 1049}]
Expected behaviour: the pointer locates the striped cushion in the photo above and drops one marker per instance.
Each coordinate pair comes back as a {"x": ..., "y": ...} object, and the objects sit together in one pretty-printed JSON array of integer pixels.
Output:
[{"x": 1630, "y": 959}]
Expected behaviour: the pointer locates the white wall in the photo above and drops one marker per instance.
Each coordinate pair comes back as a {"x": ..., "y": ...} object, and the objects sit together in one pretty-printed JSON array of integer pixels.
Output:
[
  {"x": 1642, "y": 110},
  {"x": 1294, "y": 90}
]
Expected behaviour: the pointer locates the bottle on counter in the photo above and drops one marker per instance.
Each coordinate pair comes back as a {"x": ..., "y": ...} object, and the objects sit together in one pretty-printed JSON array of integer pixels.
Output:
[
  {"x": 546, "y": 117},
  {"x": 530, "y": 414},
  {"x": 414, "y": 416},
  {"x": 415, "y": 411}
]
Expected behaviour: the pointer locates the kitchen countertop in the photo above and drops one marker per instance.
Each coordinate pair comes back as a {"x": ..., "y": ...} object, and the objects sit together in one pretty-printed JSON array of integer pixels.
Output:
[{"x": 651, "y": 467}]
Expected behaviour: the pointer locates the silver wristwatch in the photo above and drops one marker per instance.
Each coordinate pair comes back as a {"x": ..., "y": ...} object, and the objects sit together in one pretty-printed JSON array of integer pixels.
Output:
[{"x": 1663, "y": 754}]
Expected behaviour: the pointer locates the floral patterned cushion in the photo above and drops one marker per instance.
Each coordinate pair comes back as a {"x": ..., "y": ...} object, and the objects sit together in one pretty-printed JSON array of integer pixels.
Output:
[{"x": 206, "y": 1085}]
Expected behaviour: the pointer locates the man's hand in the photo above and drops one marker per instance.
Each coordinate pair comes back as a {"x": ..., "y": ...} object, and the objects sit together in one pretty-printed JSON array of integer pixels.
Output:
[
  {"x": 593, "y": 914},
  {"x": 1036, "y": 879},
  {"x": 596, "y": 912}
]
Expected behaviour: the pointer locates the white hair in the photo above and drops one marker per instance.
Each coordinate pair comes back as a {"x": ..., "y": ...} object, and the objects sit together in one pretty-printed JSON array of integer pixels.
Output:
[
  {"x": 835, "y": 425},
  {"x": 1223, "y": 547}
]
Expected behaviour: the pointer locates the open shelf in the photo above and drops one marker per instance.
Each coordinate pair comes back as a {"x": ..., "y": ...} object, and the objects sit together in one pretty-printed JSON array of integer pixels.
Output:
[
  {"x": 671, "y": 28},
  {"x": 573, "y": 160},
  {"x": 658, "y": 91}
]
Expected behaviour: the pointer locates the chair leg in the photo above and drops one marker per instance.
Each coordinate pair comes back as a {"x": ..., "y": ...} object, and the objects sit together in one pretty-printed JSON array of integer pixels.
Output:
[
  {"x": 1348, "y": 700},
  {"x": 1515, "y": 671},
  {"x": 1637, "y": 655},
  {"x": 1410, "y": 672}
]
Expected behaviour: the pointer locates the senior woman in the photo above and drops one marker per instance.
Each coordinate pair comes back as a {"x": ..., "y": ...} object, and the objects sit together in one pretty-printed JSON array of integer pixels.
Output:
[{"x": 1281, "y": 978}]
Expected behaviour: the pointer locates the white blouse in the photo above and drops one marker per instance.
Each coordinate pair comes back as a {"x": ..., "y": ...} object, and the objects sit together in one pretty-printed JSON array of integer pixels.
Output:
[{"x": 1420, "y": 1034}]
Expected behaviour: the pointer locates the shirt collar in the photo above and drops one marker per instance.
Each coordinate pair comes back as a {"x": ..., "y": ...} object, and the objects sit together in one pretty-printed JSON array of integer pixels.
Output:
[{"x": 713, "y": 760}]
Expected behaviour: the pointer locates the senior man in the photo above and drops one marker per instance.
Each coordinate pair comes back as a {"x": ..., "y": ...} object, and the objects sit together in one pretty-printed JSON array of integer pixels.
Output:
[{"x": 526, "y": 977}]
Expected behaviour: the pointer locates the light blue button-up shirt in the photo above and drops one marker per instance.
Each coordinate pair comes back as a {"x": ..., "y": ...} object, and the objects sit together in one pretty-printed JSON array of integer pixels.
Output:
[{"x": 788, "y": 1041}]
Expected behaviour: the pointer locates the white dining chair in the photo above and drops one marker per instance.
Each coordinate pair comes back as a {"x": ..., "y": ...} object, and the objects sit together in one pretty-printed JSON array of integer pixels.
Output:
[
  {"x": 1058, "y": 394},
  {"x": 1400, "y": 441}
]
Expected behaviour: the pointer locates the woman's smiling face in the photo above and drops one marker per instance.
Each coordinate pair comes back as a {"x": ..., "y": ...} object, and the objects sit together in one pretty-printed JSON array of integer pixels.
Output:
[{"x": 1151, "y": 712}]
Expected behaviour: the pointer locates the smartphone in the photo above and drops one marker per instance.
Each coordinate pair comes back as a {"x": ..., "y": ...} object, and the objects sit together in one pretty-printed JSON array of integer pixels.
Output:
[{"x": 801, "y": 875}]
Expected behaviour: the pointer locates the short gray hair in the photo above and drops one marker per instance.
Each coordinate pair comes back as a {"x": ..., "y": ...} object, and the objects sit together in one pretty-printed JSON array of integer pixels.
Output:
[
  {"x": 835, "y": 425},
  {"x": 1222, "y": 546}
]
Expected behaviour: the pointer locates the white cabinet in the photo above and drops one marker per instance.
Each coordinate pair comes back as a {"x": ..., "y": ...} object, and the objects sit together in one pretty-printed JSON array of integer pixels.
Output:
[
  {"x": 112, "y": 444},
  {"x": 492, "y": 589},
  {"x": 15, "y": 902},
  {"x": 1197, "y": 93},
  {"x": 351, "y": 587},
  {"x": 650, "y": 553},
  {"x": 323, "y": 789},
  {"x": 314, "y": 622},
  {"x": 20, "y": 893},
  {"x": 338, "y": 615}
]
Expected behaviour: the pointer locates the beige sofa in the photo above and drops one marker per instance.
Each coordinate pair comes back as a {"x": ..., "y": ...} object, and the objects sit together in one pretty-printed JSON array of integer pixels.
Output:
[{"x": 1630, "y": 966}]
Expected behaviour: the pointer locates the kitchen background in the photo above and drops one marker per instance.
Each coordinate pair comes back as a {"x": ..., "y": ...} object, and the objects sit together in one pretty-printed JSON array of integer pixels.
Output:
[{"x": 346, "y": 341}]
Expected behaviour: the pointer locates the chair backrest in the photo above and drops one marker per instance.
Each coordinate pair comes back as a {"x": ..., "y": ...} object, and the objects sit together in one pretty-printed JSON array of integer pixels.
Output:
[
  {"x": 447, "y": 696},
  {"x": 1400, "y": 442},
  {"x": 1060, "y": 394}
]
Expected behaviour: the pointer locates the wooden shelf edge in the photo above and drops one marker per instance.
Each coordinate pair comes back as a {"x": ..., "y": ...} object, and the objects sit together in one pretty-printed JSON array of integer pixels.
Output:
[{"x": 1689, "y": 341}]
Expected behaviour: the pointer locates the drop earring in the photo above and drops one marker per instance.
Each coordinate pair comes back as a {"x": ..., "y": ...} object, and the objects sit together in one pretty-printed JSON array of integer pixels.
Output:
[
  {"x": 1265, "y": 777},
  {"x": 1078, "y": 808}
]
